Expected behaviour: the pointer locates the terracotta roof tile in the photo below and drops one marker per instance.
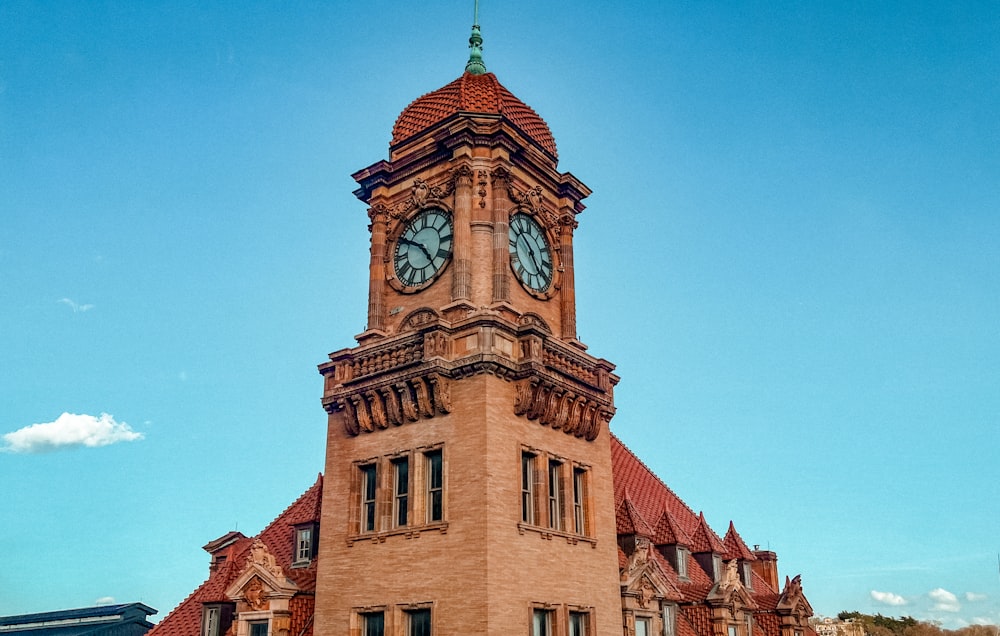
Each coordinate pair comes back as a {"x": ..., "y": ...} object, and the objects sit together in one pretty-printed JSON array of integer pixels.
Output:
[
  {"x": 703, "y": 539},
  {"x": 472, "y": 94},
  {"x": 668, "y": 531},
  {"x": 699, "y": 617},
  {"x": 629, "y": 521},
  {"x": 735, "y": 548}
]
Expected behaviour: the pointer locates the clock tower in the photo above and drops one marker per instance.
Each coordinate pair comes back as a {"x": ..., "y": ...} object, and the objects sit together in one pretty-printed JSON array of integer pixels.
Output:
[{"x": 468, "y": 483}]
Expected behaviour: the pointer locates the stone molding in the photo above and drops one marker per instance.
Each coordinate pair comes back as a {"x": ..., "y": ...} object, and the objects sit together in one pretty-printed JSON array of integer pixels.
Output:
[{"x": 408, "y": 378}]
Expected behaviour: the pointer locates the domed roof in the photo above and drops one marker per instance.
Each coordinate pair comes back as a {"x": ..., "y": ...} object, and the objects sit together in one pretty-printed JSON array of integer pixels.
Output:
[{"x": 472, "y": 93}]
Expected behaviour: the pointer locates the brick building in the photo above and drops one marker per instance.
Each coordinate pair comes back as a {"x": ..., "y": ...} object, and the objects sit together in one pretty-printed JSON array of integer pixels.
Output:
[{"x": 472, "y": 484}]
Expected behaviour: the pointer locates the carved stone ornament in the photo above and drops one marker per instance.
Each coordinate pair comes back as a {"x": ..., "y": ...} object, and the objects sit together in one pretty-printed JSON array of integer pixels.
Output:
[
  {"x": 255, "y": 594},
  {"x": 793, "y": 601},
  {"x": 730, "y": 576},
  {"x": 262, "y": 557},
  {"x": 533, "y": 200},
  {"x": 481, "y": 189},
  {"x": 421, "y": 194},
  {"x": 559, "y": 408},
  {"x": 419, "y": 317},
  {"x": 406, "y": 401},
  {"x": 646, "y": 593}
]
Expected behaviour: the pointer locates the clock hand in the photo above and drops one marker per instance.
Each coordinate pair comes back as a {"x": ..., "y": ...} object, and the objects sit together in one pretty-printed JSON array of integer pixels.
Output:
[
  {"x": 423, "y": 249},
  {"x": 534, "y": 260}
]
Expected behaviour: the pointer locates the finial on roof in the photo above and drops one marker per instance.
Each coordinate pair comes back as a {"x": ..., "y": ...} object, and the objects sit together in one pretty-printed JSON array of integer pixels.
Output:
[{"x": 475, "y": 64}]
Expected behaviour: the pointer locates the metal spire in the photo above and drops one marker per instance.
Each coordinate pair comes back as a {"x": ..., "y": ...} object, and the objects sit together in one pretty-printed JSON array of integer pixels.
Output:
[{"x": 475, "y": 64}]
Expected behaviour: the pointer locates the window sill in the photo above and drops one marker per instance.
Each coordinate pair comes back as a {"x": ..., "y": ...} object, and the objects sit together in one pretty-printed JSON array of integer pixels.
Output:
[
  {"x": 409, "y": 532},
  {"x": 551, "y": 533}
]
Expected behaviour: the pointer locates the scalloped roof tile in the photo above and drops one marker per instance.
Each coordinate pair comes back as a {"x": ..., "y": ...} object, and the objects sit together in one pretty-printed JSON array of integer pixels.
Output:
[{"x": 472, "y": 94}]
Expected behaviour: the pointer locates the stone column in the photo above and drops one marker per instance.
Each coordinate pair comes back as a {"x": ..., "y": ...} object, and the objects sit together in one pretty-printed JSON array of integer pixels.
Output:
[
  {"x": 501, "y": 236},
  {"x": 461, "y": 282},
  {"x": 376, "y": 268},
  {"x": 567, "y": 293}
]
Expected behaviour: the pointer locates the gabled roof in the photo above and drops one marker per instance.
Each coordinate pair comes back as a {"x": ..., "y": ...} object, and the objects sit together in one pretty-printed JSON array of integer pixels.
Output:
[
  {"x": 629, "y": 521},
  {"x": 704, "y": 539},
  {"x": 735, "y": 548},
  {"x": 278, "y": 536},
  {"x": 668, "y": 531},
  {"x": 477, "y": 94}
]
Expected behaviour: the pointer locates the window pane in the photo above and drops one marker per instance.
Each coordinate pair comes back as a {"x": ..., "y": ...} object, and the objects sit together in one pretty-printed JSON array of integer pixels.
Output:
[
  {"x": 303, "y": 545},
  {"x": 527, "y": 488},
  {"x": 401, "y": 495},
  {"x": 642, "y": 627},
  {"x": 372, "y": 624},
  {"x": 541, "y": 624},
  {"x": 579, "y": 518},
  {"x": 435, "y": 487},
  {"x": 555, "y": 496},
  {"x": 577, "y": 624},
  {"x": 368, "y": 488},
  {"x": 258, "y": 628},
  {"x": 419, "y": 623},
  {"x": 211, "y": 621}
]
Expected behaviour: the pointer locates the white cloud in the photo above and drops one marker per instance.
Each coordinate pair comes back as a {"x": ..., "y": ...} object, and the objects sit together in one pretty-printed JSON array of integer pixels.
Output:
[
  {"x": 105, "y": 600},
  {"x": 69, "y": 430},
  {"x": 74, "y": 306},
  {"x": 975, "y": 596},
  {"x": 887, "y": 598},
  {"x": 944, "y": 601}
]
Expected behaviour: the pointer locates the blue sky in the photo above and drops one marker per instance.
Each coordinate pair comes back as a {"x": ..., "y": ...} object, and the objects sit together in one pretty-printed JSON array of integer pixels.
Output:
[{"x": 792, "y": 253}]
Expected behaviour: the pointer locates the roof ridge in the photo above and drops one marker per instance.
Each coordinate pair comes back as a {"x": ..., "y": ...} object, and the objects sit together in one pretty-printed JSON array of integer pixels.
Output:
[
  {"x": 653, "y": 474},
  {"x": 318, "y": 483}
]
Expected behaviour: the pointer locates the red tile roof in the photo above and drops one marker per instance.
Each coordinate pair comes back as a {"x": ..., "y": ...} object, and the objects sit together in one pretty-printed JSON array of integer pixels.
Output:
[
  {"x": 735, "y": 548},
  {"x": 650, "y": 497},
  {"x": 278, "y": 536},
  {"x": 472, "y": 94}
]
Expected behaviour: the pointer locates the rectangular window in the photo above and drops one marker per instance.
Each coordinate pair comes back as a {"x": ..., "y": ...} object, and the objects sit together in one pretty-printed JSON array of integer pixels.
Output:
[
  {"x": 578, "y": 623},
  {"x": 435, "y": 486},
  {"x": 682, "y": 563},
  {"x": 304, "y": 544},
  {"x": 418, "y": 622},
  {"x": 642, "y": 627},
  {"x": 369, "y": 486},
  {"x": 258, "y": 628},
  {"x": 747, "y": 575},
  {"x": 401, "y": 491},
  {"x": 216, "y": 619},
  {"x": 733, "y": 631},
  {"x": 541, "y": 622},
  {"x": 749, "y": 622},
  {"x": 669, "y": 620},
  {"x": 210, "y": 621},
  {"x": 372, "y": 624},
  {"x": 579, "y": 511},
  {"x": 527, "y": 488},
  {"x": 716, "y": 568},
  {"x": 555, "y": 495}
]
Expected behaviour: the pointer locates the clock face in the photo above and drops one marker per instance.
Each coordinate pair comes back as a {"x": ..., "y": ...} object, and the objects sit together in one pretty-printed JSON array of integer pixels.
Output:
[
  {"x": 530, "y": 255},
  {"x": 423, "y": 248}
]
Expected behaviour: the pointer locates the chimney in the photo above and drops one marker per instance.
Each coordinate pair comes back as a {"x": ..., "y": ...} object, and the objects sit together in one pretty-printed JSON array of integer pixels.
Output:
[{"x": 766, "y": 567}]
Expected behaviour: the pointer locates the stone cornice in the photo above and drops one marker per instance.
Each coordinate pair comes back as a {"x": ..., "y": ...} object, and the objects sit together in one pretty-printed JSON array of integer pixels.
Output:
[{"x": 408, "y": 377}]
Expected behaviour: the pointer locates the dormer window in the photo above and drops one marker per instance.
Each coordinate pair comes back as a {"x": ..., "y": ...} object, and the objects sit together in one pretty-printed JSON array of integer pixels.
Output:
[
  {"x": 216, "y": 618},
  {"x": 305, "y": 544},
  {"x": 746, "y": 573},
  {"x": 716, "y": 568},
  {"x": 682, "y": 562}
]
